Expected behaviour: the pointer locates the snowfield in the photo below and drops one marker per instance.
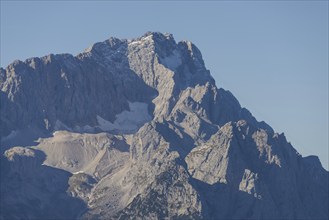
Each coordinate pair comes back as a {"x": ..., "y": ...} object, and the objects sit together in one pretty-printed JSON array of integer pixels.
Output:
[{"x": 127, "y": 121}]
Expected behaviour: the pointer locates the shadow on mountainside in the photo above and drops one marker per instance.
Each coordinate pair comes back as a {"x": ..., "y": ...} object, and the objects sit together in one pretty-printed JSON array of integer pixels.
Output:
[
  {"x": 24, "y": 138},
  {"x": 72, "y": 90},
  {"x": 223, "y": 201},
  {"x": 30, "y": 190}
]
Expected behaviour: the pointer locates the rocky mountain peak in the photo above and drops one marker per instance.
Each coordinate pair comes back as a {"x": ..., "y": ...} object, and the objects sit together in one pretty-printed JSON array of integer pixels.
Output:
[{"x": 138, "y": 129}]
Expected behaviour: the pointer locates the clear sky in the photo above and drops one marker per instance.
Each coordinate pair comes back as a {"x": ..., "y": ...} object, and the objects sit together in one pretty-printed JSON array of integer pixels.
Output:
[{"x": 272, "y": 55}]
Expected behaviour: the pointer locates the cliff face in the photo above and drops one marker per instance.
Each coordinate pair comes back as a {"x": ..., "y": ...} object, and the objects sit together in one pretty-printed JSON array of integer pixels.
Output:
[{"x": 138, "y": 129}]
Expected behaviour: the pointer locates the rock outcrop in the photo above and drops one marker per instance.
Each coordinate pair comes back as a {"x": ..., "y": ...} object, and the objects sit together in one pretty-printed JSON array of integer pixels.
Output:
[{"x": 137, "y": 129}]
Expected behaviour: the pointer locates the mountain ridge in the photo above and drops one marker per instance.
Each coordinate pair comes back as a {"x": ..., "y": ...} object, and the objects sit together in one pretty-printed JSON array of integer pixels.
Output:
[{"x": 188, "y": 148}]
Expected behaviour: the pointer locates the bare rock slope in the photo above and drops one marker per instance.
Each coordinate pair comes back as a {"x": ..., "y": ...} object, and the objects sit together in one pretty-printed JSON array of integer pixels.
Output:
[{"x": 137, "y": 129}]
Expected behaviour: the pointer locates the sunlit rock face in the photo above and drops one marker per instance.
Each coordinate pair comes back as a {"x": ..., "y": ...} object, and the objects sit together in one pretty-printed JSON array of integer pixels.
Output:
[{"x": 137, "y": 129}]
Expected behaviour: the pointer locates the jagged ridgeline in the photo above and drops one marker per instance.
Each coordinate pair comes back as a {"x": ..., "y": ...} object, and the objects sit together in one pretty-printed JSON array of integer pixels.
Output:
[{"x": 137, "y": 129}]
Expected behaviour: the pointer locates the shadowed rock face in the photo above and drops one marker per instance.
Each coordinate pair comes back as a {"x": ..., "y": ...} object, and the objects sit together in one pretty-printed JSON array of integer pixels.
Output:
[
  {"x": 133, "y": 129},
  {"x": 30, "y": 190}
]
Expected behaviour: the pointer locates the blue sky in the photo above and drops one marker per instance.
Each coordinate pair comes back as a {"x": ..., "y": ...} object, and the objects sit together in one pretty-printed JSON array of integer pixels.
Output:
[{"x": 272, "y": 55}]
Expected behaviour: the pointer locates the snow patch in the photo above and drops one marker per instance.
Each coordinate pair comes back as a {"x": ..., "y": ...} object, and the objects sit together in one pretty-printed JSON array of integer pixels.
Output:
[
  {"x": 134, "y": 42},
  {"x": 12, "y": 135},
  {"x": 86, "y": 128},
  {"x": 173, "y": 61},
  {"x": 141, "y": 41},
  {"x": 127, "y": 121},
  {"x": 60, "y": 126},
  {"x": 147, "y": 37}
]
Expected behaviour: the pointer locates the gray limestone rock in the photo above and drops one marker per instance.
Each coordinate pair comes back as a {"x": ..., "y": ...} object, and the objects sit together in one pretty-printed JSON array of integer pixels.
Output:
[{"x": 137, "y": 129}]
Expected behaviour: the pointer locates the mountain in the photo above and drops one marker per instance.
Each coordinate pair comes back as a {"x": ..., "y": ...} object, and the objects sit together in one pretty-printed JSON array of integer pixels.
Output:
[{"x": 137, "y": 129}]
